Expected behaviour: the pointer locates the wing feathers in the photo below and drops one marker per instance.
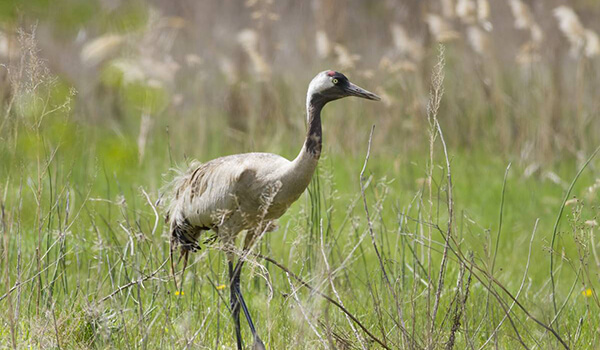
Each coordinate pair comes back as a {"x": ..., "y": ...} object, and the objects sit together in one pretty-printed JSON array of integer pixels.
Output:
[{"x": 203, "y": 196}]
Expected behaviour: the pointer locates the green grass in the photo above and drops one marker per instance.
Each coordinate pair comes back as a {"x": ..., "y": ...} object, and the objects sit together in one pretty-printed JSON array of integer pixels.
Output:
[
  {"x": 77, "y": 226},
  {"x": 84, "y": 251}
]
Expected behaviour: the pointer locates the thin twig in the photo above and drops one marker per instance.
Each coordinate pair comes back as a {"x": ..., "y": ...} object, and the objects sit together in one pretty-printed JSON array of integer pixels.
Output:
[
  {"x": 501, "y": 217},
  {"x": 156, "y": 216},
  {"x": 520, "y": 288},
  {"x": 37, "y": 274},
  {"x": 555, "y": 230},
  {"x": 457, "y": 308},
  {"x": 326, "y": 297},
  {"x": 134, "y": 282},
  {"x": 312, "y": 326},
  {"x": 473, "y": 266},
  {"x": 201, "y": 328},
  {"x": 372, "y": 233},
  {"x": 491, "y": 317},
  {"x": 335, "y": 292}
]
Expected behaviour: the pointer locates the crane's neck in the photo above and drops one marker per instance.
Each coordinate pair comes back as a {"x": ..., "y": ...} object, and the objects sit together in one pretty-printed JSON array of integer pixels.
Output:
[
  {"x": 311, "y": 150},
  {"x": 314, "y": 135},
  {"x": 302, "y": 168}
]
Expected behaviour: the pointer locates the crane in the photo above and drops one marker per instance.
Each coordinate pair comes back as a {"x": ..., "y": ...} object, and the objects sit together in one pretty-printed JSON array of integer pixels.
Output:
[{"x": 249, "y": 192}]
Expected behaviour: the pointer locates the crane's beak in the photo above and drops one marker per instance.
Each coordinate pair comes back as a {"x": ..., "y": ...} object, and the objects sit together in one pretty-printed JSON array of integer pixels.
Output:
[{"x": 354, "y": 90}]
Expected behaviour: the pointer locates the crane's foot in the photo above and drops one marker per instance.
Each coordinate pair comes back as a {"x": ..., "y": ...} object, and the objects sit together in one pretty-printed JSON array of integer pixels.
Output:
[{"x": 258, "y": 344}]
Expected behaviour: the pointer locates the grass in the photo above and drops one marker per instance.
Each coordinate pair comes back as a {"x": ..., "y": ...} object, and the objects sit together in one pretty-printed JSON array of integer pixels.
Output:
[
  {"x": 391, "y": 246},
  {"x": 77, "y": 225}
]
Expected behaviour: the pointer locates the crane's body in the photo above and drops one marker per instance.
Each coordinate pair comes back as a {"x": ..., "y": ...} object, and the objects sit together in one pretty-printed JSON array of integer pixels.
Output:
[
  {"x": 250, "y": 191},
  {"x": 234, "y": 193}
]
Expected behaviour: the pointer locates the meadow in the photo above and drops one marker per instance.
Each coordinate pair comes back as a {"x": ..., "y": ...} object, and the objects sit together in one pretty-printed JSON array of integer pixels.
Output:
[{"x": 460, "y": 212}]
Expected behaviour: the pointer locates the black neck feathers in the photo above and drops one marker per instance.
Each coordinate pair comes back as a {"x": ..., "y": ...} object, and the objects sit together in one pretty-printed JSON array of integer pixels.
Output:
[{"x": 314, "y": 136}]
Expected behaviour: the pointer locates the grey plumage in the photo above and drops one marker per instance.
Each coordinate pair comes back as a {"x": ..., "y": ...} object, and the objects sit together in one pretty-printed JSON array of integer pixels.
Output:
[{"x": 234, "y": 193}]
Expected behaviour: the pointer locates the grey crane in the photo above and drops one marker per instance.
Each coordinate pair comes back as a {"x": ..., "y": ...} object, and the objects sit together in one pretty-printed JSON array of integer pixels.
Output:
[{"x": 250, "y": 191}]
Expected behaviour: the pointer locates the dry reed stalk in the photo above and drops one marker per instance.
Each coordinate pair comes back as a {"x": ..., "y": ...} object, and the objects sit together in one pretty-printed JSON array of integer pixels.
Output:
[
  {"x": 405, "y": 44},
  {"x": 248, "y": 39},
  {"x": 293, "y": 292},
  {"x": 520, "y": 287},
  {"x": 448, "y": 8},
  {"x": 55, "y": 324},
  {"x": 458, "y": 308},
  {"x": 321, "y": 294},
  {"x": 479, "y": 40},
  {"x": 432, "y": 107},
  {"x": 569, "y": 24},
  {"x": 441, "y": 29},
  {"x": 491, "y": 317},
  {"x": 101, "y": 48},
  {"x": 436, "y": 94},
  {"x": 402, "y": 325},
  {"x": 345, "y": 59},
  {"x": 190, "y": 342},
  {"x": 466, "y": 11},
  {"x": 529, "y": 53},
  {"x": 483, "y": 14},
  {"x": 335, "y": 292},
  {"x": 556, "y": 224},
  {"x": 145, "y": 126},
  {"x": 474, "y": 268},
  {"x": 14, "y": 311},
  {"x": 500, "y": 218},
  {"x": 322, "y": 44}
]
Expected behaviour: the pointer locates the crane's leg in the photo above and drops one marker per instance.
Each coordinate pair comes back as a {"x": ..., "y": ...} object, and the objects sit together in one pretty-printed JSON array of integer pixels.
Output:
[
  {"x": 234, "y": 302},
  {"x": 257, "y": 344},
  {"x": 235, "y": 286}
]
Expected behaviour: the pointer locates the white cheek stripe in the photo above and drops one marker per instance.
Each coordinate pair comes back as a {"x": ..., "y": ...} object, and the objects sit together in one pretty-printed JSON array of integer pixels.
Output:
[{"x": 319, "y": 83}]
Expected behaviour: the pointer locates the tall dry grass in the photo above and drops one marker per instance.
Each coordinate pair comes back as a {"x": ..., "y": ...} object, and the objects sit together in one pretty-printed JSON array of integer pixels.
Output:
[{"x": 83, "y": 254}]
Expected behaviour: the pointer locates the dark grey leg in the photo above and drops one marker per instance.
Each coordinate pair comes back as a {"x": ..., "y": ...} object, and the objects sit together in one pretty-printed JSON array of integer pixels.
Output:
[
  {"x": 235, "y": 305},
  {"x": 258, "y": 344}
]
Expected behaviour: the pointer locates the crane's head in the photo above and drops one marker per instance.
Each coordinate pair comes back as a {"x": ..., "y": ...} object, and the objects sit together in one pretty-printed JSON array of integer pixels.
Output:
[{"x": 331, "y": 85}]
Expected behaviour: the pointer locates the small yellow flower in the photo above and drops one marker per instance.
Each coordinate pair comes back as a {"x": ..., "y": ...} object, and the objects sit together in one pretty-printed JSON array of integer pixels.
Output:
[
  {"x": 166, "y": 330},
  {"x": 222, "y": 286},
  {"x": 587, "y": 293},
  {"x": 179, "y": 293}
]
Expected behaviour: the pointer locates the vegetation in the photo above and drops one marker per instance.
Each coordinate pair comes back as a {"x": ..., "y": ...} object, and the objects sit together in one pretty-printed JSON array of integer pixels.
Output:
[{"x": 466, "y": 218}]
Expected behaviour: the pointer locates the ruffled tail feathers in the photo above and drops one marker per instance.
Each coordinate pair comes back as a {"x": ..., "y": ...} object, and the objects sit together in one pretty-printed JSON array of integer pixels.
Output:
[{"x": 183, "y": 235}]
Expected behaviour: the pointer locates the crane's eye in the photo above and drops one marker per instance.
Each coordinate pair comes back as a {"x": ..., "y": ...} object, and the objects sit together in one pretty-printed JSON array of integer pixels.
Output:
[{"x": 334, "y": 80}]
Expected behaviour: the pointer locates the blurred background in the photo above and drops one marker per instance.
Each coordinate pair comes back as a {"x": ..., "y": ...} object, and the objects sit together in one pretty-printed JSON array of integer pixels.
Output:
[{"x": 521, "y": 76}]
